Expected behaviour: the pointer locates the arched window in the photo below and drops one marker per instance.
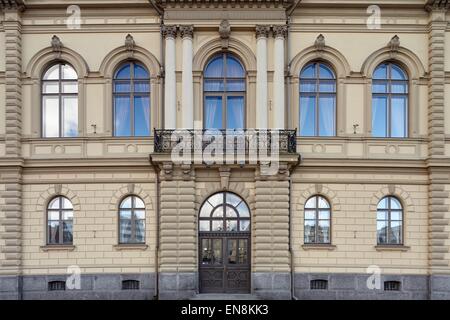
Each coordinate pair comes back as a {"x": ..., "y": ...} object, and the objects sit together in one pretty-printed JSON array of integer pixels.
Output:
[
  {"x": 389, "y": 101},
  {"x": 131, "y": 89},
  {"x": 59, "y": 221},
  {"x": 317, "y": 220},
  {"x": 224, "y": 93},
  {"x": 317, "y": 100},
  {"x": 389, "y": 221},
  {"x": 132, "y": 220},
  {"x": 60, "y": 101},
  {"x": 224, "y": 212}
]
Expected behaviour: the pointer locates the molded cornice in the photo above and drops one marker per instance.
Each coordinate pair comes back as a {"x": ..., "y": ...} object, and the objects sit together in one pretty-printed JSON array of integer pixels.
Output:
[
  {"x": 12, "y": 5},
  {"x": 233, "y": 3}
]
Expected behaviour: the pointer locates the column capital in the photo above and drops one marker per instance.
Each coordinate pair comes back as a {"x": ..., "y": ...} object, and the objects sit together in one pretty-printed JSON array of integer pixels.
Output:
[
  {"x": 262, "y": 31},
  {"x": 168, "y": 31},
  {"x": 187, "y": 31},
  {"x": 280, "y": 31},
  {"x": 437, "y": 5}
]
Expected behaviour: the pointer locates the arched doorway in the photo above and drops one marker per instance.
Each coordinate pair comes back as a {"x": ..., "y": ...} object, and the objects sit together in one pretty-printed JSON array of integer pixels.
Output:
[{"x": 224, "y": 244}]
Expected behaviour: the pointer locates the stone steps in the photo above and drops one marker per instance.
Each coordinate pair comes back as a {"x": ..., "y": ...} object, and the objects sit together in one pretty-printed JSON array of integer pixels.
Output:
[{"x": 224, "y": 296}]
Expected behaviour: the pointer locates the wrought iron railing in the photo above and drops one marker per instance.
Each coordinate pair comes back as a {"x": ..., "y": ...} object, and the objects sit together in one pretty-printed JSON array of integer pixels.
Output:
[{"x": 248, "y": 139}]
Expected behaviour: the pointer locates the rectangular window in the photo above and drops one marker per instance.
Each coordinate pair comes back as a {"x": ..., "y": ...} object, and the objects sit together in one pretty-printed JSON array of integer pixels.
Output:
[
  {"x": 50, "y": 108},
  {"x": 379, "y": 116},
  {"x": 122, "y": 116},
  {"x": 213, "y": 112},
  {"x": 307, "y": 115}
]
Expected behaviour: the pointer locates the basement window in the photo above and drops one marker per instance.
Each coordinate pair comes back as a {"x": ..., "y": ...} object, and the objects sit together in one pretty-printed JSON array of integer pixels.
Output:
[
  {"x": 319, "y": 284},
  {"x": 56, "y": 286},
  {"x": 392, "y": 286},
  {"x": 130, "y": 285}
]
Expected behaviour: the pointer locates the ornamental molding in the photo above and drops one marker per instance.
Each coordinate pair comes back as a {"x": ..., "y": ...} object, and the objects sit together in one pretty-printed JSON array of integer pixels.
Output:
[
  {"x": 319, "y": 44},
  {"x": 223, "y": 3},
  {"x": 130, "y": 43},
  {"x": 280, "y": 31},
  {"x": 262, "y": 31},
  {"x": 187, "y": 31},
  {"x": 169, "y": 31},
  {"x": 56, "y": 45},
  {"x": 433, "y": 5},
  {"x": 12, "y": 5},
  {"x": 394, "y": 44}
]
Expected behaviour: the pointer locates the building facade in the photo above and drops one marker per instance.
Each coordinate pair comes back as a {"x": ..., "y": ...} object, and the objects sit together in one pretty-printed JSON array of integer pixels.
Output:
[{"x": 93, "y": 205}]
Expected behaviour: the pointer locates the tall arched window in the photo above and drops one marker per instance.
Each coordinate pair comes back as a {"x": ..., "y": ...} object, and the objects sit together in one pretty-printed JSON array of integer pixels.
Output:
[
  {"x": 389, "y": 221},
  {"x": 131, "y": 100},
  {"x": 224, "y": 93},
  {"x": 317, "y": 100},
  {"x": 132, "y": 220},
  {"x": 59, "y": 221},
  {"x": 60, "y": 101},
  {"x": 389, "y": 101},
  {"x": 317, "y": 220}
]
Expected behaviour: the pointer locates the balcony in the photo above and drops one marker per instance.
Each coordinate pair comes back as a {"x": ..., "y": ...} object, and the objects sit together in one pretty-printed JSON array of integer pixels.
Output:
[{"x": 245, "y": 141}]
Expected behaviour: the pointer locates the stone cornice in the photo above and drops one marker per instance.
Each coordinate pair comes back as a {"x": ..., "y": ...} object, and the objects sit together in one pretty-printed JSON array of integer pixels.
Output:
[
  {"x": 437, "y": 5},
  {"x": 233, "y": 3}
]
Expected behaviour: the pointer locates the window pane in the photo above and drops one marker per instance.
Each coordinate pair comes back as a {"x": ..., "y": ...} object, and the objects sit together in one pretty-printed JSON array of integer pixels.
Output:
[
  {"x": 124, "y": 72},
  {"x": 381, "y": 232},
  {"x": 53, "y": 232},
  {"x": 395, "y": 232},
  {"x": 66, "y": 204},
  {"x": 54, "y": 204},
  {"x": 307, "y": 115},
  {"x": 379, "y": 87},
  {"x": 50, "y": 106},
  {"x": 217, "y": 225},
  {"x": 214, "y": 85},
  {"x": 211, "y": 251},
  {"x": 380, "y": 72},
  {"x": 244, "y": 225},
  {"x": 125, "y": 231},
  {"x": 141, "y": 116},
  {"x": 52, "y": 73},
  {"x": 243, "y": 246},
  {"x": 235, "y": 112},
  {"x": 139, "y": 214},
  {"x": 50, "y": 87},
  {"x": 53, "y": 215},
  {"x": 232, "y": 225},
  {"x": 126, "y": 203},
  {"x": 122, "y": 86},
  {"x": 206, "y": 210},
  {"x": 311, "y": 203},
  {"x": 379, "y": 116},
  {"x": 235, "y": 85},
  {"x": 204, "y": 226},
  {"x": 230, "y": 213},
  {"x": 323, "y": 231},
  {"x": 325, "y": 72},
  {"x": 399, "y": 87},
  {"x": 68, "y": 73},
  {"x": 310, "y": 214},
  {"x": 397, "y": 73},
  {"x": 309, "y": 71},
  {"x": 215, "y": 68},
  {"x": 139, "y": 231},
  {"x": 140, "y": 72},
  {"x": 234, "y": 68},
  {"x": 216, "y": 199},
  {"x": 68, "y": 215},
  {"x": 69, "y": 87},
  {"x": 142, "y": 86},
  {"x": 68, "y": 231},
  {"x": 70, "y": 116},
  {"x": 232, "y": 199},
  {"x": 138, "y": 203},
  {"x": 326, "y": 116},
  {"x": 327, "y": 86},
  {"x": 396, "y": 215},
  {"x": 310, "y": 231},
  {"x": 382, "y": 215},
  {"x": 243, "y": 210},
  {"x": 383, "y": 204},
  {"x": 218, "y": 213},
  {"x": 122, "y": 116},
  {"x": 125, "y": 214},
  {"x": 324, "y": 214},
  {"x": 323, "y": 203},
  {"x": 213, "y": 113},
  {"x": 395, "y": 204},
  {"x": 232, "y": 251},
  {"x": 308, "y": 86},
  {"x": 398, "y": 116}
]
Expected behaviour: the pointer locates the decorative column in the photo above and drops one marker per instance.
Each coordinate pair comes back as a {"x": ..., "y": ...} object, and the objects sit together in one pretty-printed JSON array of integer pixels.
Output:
[
  {"x": 439, "y": 175},
  {"x": 262, "y": 32},
  {"x": 11, "y": 171},
  {"x": 279, "y": 33},
  {"x": 187, "y": 98},
  {"x": 170, "y": 84}
]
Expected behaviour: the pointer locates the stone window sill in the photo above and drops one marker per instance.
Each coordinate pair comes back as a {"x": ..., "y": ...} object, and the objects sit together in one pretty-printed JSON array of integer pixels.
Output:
[
  {"x": 137, "y": 246},
  {"x": 57, "y": 247},
  {"x": 392, "y": 248},
  {"x": 329, "y": 247}
]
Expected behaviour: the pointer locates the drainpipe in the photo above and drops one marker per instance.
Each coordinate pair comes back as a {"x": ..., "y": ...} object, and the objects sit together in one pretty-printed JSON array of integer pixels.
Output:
[
  {"x": 291, "y": 252},
  {"x": 157, "y": 171}
]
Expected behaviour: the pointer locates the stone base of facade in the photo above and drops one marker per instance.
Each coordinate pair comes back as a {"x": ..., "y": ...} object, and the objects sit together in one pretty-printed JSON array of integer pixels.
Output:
[
  {"x": 440, "y": 287},
  {"x": 177, "y": 286},
  {"x": 354, "y": 287},
  {"x": 93, "y": 287},
  {"x": 272, "y": 286}
]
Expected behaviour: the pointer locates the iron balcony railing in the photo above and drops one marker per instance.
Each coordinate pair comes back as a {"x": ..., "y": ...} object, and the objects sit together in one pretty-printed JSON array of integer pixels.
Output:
[{"x": 247, "y": 139}]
